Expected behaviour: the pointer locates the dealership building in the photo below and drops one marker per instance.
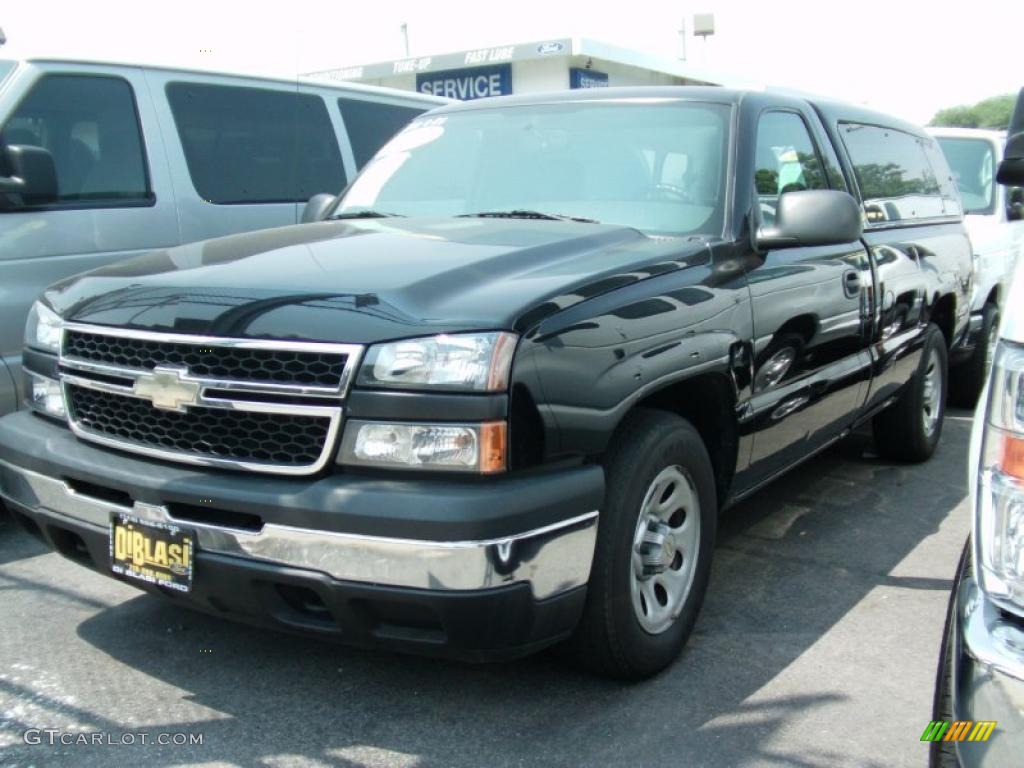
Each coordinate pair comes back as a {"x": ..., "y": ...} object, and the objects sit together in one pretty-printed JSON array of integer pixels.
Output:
[{"x": 543, "y": 65}]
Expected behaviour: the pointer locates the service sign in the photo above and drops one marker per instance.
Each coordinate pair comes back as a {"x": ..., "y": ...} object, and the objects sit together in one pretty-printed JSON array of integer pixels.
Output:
[
  {"x": 587, "y": 78},
  {"x": 467, "y": 84}
]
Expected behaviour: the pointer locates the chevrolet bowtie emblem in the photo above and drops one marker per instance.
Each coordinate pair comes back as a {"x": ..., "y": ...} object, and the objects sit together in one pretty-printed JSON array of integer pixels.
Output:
[{"x": 167, "y": 390}]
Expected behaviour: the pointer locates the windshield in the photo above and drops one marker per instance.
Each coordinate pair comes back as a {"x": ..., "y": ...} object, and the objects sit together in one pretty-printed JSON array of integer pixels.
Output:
[
  {"x": 973, "y": 164},
  {"x": 658, "y": 166}
]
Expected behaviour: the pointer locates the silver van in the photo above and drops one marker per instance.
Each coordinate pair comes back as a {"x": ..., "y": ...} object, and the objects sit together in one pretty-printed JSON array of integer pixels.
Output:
[{"x": 101, "y": 161}]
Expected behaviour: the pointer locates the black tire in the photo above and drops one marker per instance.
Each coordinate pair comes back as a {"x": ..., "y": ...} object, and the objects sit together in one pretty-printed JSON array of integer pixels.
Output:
[
  {"x": 900, "y": 431},
  {"x": 610, "y": 639},
  {"x": 942, "y": 754},
  {"x": 967, "y": 379}
]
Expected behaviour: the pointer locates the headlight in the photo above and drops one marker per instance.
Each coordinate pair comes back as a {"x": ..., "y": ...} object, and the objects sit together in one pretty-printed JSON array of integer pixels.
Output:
[
  {"x": 462, "y": 362},
  {"x": 44, "y": 395},
  {"x": 453, "y": 447},
  {"x": 999, "y": 514},
  {"x": 42, "y": 329}
]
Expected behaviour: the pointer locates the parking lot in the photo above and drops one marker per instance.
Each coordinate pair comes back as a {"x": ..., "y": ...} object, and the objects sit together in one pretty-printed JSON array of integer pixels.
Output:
[{"x": 817, "y": 646}]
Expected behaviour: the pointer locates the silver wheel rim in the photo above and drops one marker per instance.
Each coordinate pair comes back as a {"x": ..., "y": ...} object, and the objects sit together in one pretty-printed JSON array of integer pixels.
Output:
[
  {"x": 776, "y": 368},
  {"x": 931, "y": 400},
  {"x": 665, "y": 548}
]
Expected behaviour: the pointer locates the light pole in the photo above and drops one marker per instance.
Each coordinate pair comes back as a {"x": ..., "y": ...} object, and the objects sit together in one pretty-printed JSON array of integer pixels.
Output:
[{"x": 405, "y": 38}]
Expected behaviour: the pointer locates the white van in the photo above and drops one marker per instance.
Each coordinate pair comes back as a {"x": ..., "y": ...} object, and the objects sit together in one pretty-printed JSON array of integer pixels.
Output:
[
  {"x": 995, "y": 222},
  {"x": 101, "y": 161}
]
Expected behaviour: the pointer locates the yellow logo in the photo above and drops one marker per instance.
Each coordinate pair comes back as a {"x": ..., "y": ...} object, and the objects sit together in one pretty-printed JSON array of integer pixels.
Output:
[{"x": 960, "y": 730}]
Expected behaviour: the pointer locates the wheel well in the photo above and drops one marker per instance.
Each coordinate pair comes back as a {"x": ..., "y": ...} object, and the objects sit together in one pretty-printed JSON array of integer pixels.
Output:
[
  {"x": 944, "y": 316},
  {"x": 804, "y": 325},
  {"x": 708, "y": 403}
]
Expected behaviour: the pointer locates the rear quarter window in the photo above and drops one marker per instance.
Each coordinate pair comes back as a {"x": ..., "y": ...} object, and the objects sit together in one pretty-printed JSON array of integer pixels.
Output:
[
  {"x": 898, "y": 180},
  {"x": 371, "y": 124}
]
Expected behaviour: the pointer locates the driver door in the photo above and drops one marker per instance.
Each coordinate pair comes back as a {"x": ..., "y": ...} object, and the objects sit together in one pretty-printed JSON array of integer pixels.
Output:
[{"x": 810, "y": 312}]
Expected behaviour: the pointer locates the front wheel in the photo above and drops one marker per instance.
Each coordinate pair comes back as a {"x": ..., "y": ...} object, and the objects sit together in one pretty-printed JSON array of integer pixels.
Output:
[
  {"x": 909, "y": 430},
  {"x": 654, "y": 545}
]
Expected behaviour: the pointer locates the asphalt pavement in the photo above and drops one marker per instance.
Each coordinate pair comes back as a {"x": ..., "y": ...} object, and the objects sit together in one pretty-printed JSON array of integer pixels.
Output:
[{"x": 817, "y": 646}]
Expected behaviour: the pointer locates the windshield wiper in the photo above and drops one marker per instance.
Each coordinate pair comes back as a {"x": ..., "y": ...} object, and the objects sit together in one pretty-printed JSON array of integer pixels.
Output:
[
  {"x": 367, "y": 214},
  {"x": 518, "y": 213}
]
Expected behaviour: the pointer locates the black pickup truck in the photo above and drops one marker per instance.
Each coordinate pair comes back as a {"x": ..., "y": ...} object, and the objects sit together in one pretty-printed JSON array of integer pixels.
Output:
[{"x": 496, "y": 396}]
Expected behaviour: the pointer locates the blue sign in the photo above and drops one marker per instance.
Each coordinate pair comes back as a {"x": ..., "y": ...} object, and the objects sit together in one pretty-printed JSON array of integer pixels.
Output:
[
  {"x": 587, "y": 78},
  {"x": 466, "y": 84}
]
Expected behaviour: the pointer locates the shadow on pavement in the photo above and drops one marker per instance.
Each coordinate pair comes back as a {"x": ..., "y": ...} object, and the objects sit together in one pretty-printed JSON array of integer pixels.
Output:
[{"x": 15, "y": 544}]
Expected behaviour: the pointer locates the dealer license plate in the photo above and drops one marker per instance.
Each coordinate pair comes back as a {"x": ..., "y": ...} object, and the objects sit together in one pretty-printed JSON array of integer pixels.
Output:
[{"x": 157, "y": 553}]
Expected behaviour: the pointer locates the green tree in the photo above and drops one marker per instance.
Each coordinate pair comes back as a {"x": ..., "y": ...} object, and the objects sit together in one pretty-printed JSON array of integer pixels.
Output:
[{"x": 994, "y": 112}]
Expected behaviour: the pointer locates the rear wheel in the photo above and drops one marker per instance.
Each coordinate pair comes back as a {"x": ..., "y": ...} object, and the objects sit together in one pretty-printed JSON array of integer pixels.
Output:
[
  {"x": 968, "y": 378},
  {"x": 910, "y": 429},
  {"x": 653, "y": 553}
]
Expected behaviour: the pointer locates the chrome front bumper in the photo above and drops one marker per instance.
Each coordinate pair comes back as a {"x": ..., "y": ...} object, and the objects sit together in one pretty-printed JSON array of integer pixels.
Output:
[
  {"x": 552, "y": 559},
  {"x": 988, "y": 676}
]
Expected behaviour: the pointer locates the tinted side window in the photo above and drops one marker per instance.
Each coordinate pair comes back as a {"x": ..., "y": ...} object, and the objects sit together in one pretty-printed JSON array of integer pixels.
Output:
[
  {"x": 896, "y": 179},
  {"x": 252, "y": 145},
  {"x": 370, "y": 125},
  {"x": 90, "y": 126},
  {"x": 785, "y": 160}
]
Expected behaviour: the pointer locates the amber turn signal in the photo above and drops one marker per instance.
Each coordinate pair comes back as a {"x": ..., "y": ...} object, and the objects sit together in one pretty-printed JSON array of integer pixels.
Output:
[
  {"x": 1011, "y": 459},
  {"x": 493, "y": 438}
]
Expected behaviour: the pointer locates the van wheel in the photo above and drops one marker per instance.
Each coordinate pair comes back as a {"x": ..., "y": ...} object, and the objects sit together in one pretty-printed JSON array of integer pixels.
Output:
[
  {"x": 653, "y": 553},
  {"x": 968, "y": 378},
  {"x": 910, "y": 429}
]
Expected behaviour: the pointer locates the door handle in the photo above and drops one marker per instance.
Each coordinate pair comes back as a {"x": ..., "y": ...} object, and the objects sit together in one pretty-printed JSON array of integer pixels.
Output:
[{"x": 851, "y": 283}]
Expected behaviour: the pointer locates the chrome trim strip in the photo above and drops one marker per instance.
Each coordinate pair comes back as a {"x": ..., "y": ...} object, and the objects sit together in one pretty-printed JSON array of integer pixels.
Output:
[
  {"x": 72, "y": 367},
  {"x": 353, "y": 352},
  {"x": 552, "y": 559},
  {"x": 222, "y": 403}
]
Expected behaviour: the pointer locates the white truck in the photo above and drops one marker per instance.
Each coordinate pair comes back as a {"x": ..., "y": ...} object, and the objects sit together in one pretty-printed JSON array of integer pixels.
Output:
[
  {"x": 994, "y": 217},
  {"x": 981, "y": 671}
]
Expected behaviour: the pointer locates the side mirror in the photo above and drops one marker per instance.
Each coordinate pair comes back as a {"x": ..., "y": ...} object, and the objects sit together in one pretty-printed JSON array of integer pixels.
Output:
[
  {"x": 1011, "y": 170},
  {"x": 33, "y": 174},
  {"x": 812, "y": 217},
  {"x": 317, "y": 206}
]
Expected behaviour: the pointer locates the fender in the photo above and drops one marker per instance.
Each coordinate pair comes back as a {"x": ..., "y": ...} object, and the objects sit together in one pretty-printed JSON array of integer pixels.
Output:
[{"x": 633, "y": 342}]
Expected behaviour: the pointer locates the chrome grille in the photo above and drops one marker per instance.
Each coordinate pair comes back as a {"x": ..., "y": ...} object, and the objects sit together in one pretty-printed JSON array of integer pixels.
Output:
[
  {"x": 266, "y": 406},
  {"x": 283, "y": 439},
  {"x": 255, "y": 364}
]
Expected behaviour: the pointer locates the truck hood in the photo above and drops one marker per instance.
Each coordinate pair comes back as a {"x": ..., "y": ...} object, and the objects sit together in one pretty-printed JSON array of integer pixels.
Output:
[{"x": 371, "y": 280}]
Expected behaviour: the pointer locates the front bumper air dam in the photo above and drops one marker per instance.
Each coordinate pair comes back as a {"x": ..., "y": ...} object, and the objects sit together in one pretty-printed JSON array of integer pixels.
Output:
[{"x": 494, "y": 597}]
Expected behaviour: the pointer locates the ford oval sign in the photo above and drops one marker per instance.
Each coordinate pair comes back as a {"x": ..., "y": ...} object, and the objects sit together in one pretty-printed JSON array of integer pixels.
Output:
[{"x": 546, "y": 49}]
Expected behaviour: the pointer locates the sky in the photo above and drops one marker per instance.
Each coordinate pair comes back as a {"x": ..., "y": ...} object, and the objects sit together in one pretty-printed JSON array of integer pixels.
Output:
[{"x": 905, "y": 57}]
